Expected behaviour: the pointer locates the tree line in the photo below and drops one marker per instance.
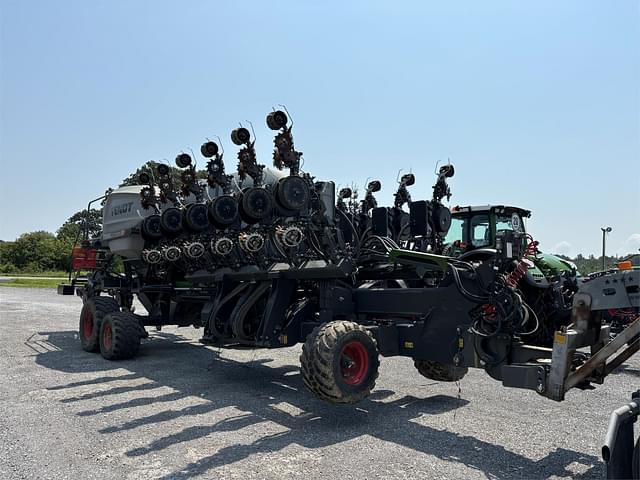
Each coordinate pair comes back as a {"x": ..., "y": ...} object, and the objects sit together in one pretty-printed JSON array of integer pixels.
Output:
[
  {"x": 591, "y": 263},
  {"x": 41, "y": 251}
]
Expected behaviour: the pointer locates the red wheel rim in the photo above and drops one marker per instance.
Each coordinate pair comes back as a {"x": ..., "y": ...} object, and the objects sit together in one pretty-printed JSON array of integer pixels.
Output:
[
  {"x": 107, "y": 336},
  {"x": 354, "y": 363},
  {"x": 87, "y": 324}
]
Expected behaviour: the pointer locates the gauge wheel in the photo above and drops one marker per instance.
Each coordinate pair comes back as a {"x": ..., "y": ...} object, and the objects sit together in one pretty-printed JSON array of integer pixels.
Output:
[
  {"x": 339, "y": 362},
  {"x": 441, "y": 372}
]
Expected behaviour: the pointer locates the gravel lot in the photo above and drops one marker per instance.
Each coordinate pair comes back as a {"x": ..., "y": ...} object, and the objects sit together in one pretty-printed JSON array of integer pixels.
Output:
[{"x": 181, "y": 410}]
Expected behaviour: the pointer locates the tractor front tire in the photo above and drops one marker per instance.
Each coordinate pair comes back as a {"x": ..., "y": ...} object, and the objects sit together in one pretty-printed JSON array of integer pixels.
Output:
[
  {"x": 339, "y": 362},
  {"x": 120, "y": 334},
  {"x": 440, "y": 372},
  {"x": 91, "y": 316}
]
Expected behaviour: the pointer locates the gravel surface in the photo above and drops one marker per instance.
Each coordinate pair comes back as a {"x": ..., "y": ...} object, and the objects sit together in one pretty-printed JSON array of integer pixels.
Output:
[{"x": 181, "y": 410}]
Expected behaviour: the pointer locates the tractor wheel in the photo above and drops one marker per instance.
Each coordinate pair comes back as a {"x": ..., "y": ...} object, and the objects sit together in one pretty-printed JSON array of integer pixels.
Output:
[
  {"x": 340, "y": 362},
  {"x": 93, "y": 311},
  {"x": 440, "y": 372},
  {"x": 120, "y": 334}
]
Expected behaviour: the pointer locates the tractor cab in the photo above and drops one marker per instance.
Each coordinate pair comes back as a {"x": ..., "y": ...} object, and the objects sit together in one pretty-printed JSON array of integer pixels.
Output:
[
  {"x": 474, "y": 228},
  {"x": 473, "y": 234}
]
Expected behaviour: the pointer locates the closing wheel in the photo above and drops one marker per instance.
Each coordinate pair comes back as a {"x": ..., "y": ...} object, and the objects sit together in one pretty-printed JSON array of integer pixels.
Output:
[
  {"x": 339, "y": 362},
  {"x": 440, "y": 372},
  {"x": 93, "y": 311},
  {"x": 240, "y": 136},
  {"x": 120, "y": 334},
  {"x": 276, "y": 120},
  {"x": 183, "y": 160},
  {"x": 209, "y": 149}
]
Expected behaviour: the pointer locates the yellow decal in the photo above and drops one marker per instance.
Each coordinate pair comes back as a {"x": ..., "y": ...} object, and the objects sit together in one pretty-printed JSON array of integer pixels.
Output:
[
  {"x": 461, "y": 343},
  {"x": 408, "y": 344},
  {"x": 560, "y": 338},
  {"x": 283, "y": 339}
]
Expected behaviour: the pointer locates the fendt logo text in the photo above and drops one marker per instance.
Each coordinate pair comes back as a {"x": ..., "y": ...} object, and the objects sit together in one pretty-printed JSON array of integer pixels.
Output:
[{"x": 120, "y": 209}]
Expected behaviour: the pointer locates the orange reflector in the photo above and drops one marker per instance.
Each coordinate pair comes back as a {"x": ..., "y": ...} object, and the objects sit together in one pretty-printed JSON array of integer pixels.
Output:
[{"x": 626, "y": 265}]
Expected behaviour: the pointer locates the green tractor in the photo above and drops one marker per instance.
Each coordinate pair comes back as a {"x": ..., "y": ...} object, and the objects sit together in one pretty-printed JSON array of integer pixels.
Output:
[{"x": 549, "y": 282}]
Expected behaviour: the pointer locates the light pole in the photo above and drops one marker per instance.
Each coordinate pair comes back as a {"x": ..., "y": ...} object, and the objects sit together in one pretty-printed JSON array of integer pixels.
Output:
[{"x": 605, "y": 230}]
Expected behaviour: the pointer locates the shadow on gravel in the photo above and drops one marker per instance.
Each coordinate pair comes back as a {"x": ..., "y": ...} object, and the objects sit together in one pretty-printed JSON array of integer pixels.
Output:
[
  {"x": 259, "y": 391},
  {"x": 627, "y": 369}
]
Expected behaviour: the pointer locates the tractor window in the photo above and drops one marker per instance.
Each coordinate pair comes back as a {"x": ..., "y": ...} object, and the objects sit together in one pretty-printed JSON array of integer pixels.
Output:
[
  {"x": 455, "y": 231},
  {"x": 505, "y": 222},
  {"x": 480, "y": 231}
]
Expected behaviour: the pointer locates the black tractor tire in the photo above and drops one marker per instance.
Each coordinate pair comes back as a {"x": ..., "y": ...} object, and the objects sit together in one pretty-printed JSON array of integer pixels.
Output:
[
  {"x": 339, "y": 362},
  {"x": 91, "y": 315},
  {"x": 440, "y": 372},
  {"x": 120, "y": 334}
]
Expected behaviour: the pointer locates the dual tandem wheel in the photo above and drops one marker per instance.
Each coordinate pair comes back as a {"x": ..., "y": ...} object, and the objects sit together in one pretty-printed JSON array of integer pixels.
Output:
[
  {"x": 104, "y": 328},
  {"x": 339, "y": 360}
]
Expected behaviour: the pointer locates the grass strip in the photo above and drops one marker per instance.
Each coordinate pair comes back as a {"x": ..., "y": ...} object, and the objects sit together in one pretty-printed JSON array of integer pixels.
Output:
[{"x": 32, "y": 283}]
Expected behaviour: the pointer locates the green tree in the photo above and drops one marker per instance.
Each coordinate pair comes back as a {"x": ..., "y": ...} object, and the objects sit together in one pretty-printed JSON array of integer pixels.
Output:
[
  {"x": 151, "y": 168},
  {"x": 76, "y": 223},
  {"x": 36, "y": 252},
  {"x": 6, "y": 257},
  {"x": 73, "y": 229}
]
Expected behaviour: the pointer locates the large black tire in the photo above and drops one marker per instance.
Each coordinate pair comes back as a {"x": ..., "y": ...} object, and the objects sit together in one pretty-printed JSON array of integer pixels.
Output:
[
  {"x": 340, "y": 362},
  {"x": 120, "y": 334},
  {"x": 93, "y": 311},
  {"x": 440, "y": 372}
]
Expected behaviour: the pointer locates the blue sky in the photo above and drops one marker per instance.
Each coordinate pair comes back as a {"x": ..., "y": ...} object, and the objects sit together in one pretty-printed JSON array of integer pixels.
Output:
[{"x": 536, "y": 103}]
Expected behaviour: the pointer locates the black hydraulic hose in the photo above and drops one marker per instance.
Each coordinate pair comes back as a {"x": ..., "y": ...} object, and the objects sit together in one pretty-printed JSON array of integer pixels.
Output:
[
  {"x": 482, "y": 354},
  {"x": 465, "y": 293},
  {"x": 371, "y": 239},
  {"x": 535, "y": 317},
  {"x": 318, "y": 250},
  {"x": 462, "y": 263},
  {"x": 361, "y": 238},
  {"x": 484, "y": 334},
  {"x": 353, "y": 228}
]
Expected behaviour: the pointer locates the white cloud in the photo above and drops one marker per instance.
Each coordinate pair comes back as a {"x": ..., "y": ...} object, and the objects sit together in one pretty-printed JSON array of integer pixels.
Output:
[
  {"x": 563, "y": 248},
  {"x": 630, "y": 245}
]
